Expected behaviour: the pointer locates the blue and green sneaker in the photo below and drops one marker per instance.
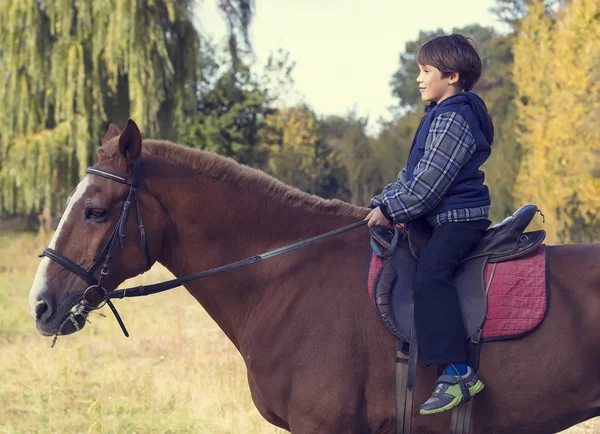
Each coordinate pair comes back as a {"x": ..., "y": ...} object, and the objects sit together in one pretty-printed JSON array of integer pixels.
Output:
[{"x": 448, "y": 393}]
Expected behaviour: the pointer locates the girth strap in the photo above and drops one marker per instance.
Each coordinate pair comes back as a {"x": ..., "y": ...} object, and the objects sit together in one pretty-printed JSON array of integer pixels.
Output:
[
  {"x": 413, "y": 353},
  {"x": 404, "y": 396},
  {"x": 461, "y": 418}
]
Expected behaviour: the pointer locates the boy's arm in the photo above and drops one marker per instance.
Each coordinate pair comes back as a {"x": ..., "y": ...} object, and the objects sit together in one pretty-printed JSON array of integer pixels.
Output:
[
  {"x": 449, "y": 146},
  {"x": 399, "y": 185}
]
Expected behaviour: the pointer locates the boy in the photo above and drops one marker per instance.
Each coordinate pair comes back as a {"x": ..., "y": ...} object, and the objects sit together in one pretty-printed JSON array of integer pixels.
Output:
[{"x": 443, "y": 184}]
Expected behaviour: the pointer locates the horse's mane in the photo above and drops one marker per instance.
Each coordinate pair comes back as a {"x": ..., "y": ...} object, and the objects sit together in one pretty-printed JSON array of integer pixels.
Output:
[{"x": 245, "y": 178}]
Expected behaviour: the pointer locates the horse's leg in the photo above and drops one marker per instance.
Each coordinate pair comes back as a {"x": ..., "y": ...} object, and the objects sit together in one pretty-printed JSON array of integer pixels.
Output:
[
  {"x": 342, "y": 409},
  {"x": 339, "y": 420},
  {"x": 550, "y": 380},
  {"x": 340, "y": 393}
]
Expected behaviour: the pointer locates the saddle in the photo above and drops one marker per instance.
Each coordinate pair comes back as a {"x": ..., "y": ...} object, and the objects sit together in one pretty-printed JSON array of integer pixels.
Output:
[{"x": 393, "y": 292}]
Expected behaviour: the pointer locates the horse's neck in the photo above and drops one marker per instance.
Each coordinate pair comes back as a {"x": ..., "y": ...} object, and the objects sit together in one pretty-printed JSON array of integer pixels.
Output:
[{"x": 214, "y": 224}]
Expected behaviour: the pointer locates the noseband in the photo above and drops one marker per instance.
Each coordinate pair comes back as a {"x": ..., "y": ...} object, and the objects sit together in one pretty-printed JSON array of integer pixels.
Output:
[
  {"x": 85, "y": 306},
  {"x": 119, "y": 233}
]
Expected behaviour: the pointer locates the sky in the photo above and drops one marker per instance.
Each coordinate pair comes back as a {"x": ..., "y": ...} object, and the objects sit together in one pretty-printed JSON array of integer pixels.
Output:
[{"x": 346, "y": 51}]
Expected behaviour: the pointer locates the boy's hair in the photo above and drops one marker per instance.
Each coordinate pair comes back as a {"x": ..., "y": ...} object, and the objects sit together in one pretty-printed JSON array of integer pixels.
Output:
[{"x": 450, "y": 54}]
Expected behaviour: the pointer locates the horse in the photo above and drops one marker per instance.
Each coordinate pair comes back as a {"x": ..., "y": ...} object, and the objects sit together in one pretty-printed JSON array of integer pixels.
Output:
[{"x": 318, "y": 359}]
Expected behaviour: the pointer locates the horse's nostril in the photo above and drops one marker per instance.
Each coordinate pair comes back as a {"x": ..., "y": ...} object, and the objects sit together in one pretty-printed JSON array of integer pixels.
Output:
[{"x": 42, "y": 311}]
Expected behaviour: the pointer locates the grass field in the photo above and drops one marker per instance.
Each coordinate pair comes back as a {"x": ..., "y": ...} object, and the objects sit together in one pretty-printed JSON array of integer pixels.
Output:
[{"x": 177, "y": 373}]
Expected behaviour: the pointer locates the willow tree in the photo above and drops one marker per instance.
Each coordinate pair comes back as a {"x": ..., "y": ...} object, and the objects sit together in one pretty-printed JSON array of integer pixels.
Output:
[
  {"x": 556, "y": 71},
  {"x": 69, "y": 67}
]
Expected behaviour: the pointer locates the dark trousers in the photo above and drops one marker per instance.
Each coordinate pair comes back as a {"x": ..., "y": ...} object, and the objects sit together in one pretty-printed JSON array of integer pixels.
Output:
[{"x": 438, "y": 320}]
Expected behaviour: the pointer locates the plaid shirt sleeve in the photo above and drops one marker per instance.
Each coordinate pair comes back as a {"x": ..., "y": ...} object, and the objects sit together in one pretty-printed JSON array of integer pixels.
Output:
[
  {"x": 449, "y": 146},
  {"x": 399, "y": 184}
]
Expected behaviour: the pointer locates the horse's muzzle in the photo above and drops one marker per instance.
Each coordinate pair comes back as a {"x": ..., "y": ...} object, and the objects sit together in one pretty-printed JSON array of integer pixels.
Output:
[{"x": 62, "y": 318}]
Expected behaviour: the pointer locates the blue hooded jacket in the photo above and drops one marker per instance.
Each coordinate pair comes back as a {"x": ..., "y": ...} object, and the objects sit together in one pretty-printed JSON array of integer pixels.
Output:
[{"x": 468, "y": 189}]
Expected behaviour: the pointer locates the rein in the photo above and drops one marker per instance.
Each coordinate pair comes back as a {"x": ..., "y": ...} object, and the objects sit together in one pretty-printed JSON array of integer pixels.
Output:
[
  {"x": 139, "y": 291},
  {"x": 84, "y": 306}
]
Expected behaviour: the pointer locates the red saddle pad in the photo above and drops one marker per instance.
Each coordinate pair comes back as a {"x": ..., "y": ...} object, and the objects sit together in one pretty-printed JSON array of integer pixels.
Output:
[{"x": 517, "y": 296}]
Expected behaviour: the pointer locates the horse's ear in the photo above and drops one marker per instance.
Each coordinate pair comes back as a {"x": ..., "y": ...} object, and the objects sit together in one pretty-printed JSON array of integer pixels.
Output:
[
  {"x": 113, "y": 131},
  {"x": 130, "y": 143}
]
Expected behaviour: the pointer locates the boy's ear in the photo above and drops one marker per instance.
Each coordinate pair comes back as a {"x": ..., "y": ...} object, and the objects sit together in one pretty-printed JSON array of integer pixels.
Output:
[
  {"x": 130, "y": 144},
  {"x": 454, "y": 78}
]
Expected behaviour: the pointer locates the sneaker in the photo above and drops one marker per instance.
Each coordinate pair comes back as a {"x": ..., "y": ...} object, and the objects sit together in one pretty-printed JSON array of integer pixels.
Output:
[{"x": 448, "y": 393}]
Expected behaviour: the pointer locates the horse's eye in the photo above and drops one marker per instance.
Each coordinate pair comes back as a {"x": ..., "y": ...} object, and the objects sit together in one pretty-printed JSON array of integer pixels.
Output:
[{"x": 95, "y": 214}]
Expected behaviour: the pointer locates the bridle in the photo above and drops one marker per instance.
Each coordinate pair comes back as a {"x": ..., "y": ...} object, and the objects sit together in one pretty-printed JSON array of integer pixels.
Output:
[
  {"x": 85, "y": 306},
  {"x": 119, "y": 233}
]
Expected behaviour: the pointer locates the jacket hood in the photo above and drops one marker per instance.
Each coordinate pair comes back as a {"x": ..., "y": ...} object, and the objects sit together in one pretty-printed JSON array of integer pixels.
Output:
[{"x": 479, "y": 109}]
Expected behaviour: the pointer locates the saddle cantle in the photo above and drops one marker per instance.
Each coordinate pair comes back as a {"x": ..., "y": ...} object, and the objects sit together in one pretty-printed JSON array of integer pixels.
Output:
[
  {"x": 501, "y": 242},
  {"x": 392, "y": 288}
]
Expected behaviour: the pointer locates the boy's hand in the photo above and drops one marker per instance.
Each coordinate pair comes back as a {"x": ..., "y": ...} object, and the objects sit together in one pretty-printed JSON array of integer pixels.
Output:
[{"x": 376, "y": 218}]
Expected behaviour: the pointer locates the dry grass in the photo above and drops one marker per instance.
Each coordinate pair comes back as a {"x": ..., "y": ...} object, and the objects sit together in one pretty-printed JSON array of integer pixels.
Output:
[{"x": 177, "y": 373}]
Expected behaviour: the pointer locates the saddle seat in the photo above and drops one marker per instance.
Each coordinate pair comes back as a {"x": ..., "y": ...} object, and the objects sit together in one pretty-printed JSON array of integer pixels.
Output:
[
  {"x": 393, "y": 286},
  {"x": 501, "y": 242}
]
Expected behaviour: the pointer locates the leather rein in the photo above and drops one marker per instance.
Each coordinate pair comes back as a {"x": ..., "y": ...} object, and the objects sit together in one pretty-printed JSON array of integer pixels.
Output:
[{"x": 85, "y": 306}]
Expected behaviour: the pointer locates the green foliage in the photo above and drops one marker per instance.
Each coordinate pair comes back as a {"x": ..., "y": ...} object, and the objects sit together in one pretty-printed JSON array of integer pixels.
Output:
[
  {"x": 232, "y": 106},
  {"x": 82, "y": 63},
  {"x": 301, "y": 156},
  {"x": 391, "y": 148},
  {"x": 347, "y": 136},
  {"x": 34, "y": 179}
]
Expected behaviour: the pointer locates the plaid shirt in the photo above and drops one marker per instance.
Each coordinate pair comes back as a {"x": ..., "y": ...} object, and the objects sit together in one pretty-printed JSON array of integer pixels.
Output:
[{"x": 449, "y": 146}]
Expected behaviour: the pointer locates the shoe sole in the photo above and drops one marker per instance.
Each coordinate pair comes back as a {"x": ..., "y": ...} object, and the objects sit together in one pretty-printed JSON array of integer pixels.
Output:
[{"x": 455, "y": 402}]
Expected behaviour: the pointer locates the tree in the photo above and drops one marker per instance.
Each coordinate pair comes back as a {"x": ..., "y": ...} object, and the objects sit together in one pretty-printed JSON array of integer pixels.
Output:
[
  {"x": 238, "y": 14},
  {"x": 391, "y": 149},
  {"x": 513, "y": 12},
  {"x": 300, "y": 155},
  {"x": 68, "y": 67},
  {"x": 347, "y": 136},
  {"x": 558, "y": 117},
  {"x": 232, "y": 106}
]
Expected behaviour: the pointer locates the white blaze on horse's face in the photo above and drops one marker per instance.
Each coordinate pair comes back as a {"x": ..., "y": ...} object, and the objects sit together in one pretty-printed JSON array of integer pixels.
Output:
[{"x": 41, "y": 276}]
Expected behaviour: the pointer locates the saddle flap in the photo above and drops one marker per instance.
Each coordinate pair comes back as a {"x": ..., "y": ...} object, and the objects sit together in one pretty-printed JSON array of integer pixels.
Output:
[
  {"x": 393, "y": 293},
  {"x": 469, "y": 279}
]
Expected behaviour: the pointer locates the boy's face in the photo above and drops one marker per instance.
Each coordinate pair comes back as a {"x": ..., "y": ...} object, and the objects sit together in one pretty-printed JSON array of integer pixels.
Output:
[{"x": 433, "y": 87}]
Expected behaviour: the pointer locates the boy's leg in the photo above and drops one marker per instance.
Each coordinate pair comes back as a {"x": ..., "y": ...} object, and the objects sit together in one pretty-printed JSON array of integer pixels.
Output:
[{"x": 438, "y": 318}]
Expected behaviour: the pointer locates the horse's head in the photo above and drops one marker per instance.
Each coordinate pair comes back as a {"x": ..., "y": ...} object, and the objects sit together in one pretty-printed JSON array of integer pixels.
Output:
[{"x": 101, "y": 220}]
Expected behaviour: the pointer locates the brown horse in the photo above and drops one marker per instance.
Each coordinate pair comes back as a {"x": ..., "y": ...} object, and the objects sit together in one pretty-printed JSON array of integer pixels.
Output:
[{"x": 318, "y": 358}]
